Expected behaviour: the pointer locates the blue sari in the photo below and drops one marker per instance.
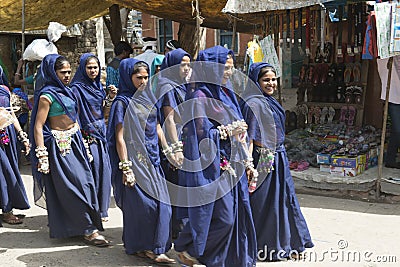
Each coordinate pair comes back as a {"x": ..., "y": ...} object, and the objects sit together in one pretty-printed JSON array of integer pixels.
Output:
[
  {"x": 90, "y": 95},
  {"x": 69, "y": 189},
  {"x": 279, "y": 222},
  {"x": 171, "y": 92},
  {"x": 145, "y": 206},
  {"x": 220, "y": 230},
  {"x": 12, "y": 189}
]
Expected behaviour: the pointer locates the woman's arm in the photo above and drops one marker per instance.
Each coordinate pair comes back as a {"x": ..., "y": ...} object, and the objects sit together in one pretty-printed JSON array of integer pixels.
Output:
[
  {"x": 128, "y": 178},
  {"x": 120, "y": 142},
  {"x": 40, "y": 149},
  {"x": 173, "y": 134},
  {"x": 41, "y": 117}
]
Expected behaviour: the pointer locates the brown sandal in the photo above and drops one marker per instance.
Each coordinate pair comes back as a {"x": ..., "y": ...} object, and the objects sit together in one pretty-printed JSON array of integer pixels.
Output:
[
  {"x": 97, "y": 240},
  {"x": 186, "y": 259},
  {"x": 10, "y": 218},
  {"x": 159, "y": 258}
]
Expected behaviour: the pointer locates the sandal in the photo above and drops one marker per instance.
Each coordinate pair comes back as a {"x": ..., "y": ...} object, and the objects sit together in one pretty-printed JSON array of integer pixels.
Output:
[
  {"x": 324, "y": 113},
  {"x": 10, "y": 218},
  {"x": 310, "y": 115},
  {"x": 357, "y": 73},
  {"x": 357, "y": 92},
  {"x": 331, "y": 114},
  {"x": 186, "y": 259},
  {"x": 349, "y": 95},
  {"x": 159, "y": 258},
  {"x": 343, "y": 114},
  {"x": 317, "y": 114},
  {"x": 352, "y": 114},
  {"x": 302, "y": 166},
  {"x": 96, "y": 239},
  {"x": 347, "y": 73},
  {"x": 293, "y": 165}
]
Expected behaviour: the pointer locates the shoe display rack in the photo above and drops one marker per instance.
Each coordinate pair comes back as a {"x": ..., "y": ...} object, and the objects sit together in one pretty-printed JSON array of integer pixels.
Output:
[
  {"x": 339, "y": 87},
  {"x": 333, "y": 78}
]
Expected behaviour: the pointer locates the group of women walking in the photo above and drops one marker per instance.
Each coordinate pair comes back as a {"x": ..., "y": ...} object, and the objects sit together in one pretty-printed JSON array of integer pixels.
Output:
[{"x": 190, "y": 163}]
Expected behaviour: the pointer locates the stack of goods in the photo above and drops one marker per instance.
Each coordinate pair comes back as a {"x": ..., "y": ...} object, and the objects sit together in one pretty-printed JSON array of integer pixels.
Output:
[
  {"x": 335, "y": 148},
  {"x": 348, "y": 151}
]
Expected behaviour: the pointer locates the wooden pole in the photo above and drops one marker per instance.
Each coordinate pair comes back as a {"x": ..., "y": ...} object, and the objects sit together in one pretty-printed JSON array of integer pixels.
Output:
[
  {"x": 198, "y": 26},
  {"x": 23, "y": 41},
  {"x": 385, "y": 114},
  {"x": 234, "y": 34}
]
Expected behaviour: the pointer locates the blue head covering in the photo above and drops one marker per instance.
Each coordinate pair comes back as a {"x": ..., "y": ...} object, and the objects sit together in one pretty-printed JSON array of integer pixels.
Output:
[
  {"x": 259, "y": 108},
  {"x": 136, "y": 111},
  {"x": 157, "y": 61},
  {"x": 171, "y": 88},
  {"x": 55, "y": 87},
  {"x": 90, "y": 95},
  {"x": 153, "y": 75}
]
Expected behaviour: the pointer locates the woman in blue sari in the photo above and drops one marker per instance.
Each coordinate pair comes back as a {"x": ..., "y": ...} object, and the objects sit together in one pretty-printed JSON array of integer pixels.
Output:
[
  {"x": 12, "y": 190},
  {"x": 60, "y": 163},
  {"x": 281, "y": 229},
  {"x": 137, "y": 178},
  {"x": 86, "y": 85},
  {"x": 171, "y": 92},
  {"x": 220, "y": 230}
]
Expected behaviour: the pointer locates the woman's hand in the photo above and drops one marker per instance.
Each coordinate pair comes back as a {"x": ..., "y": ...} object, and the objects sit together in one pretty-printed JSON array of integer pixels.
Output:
[
  {"x": 128, "y": 178},
  {"x": 43, "y": 165},
  {"x": 112, "y": 91},
  {"x": 27, "y": 147}
]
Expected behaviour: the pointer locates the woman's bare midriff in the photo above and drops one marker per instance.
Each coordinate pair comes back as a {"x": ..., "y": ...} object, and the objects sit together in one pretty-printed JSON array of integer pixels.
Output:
[{"x": 61, "y": 123}]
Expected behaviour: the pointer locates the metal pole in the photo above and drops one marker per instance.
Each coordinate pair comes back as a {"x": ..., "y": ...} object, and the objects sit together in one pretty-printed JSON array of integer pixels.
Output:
[{"x": 385, "y": 113}]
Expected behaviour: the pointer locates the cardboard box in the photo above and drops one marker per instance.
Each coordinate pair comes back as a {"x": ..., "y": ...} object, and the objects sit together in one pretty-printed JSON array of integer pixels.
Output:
[
  {"x": 348, "y": 162},
  {"x": 344, "y": 171},
  {"x": 323, "y": 158},
  {"x": 325, "y": 168}
]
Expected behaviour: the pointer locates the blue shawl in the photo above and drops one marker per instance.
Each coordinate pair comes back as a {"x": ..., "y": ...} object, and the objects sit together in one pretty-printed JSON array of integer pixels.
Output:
[
  {"x": 139, "y": 120},
  {"x": 90, "y": 95},
  {"x": 171, "y": 88},
  {"x": 209, "y": 106},
  {"x": 263, "y": 113}
]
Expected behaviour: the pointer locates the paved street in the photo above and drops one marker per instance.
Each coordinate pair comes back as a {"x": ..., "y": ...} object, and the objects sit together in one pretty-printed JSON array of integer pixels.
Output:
[{"x": 345, "y": 233}]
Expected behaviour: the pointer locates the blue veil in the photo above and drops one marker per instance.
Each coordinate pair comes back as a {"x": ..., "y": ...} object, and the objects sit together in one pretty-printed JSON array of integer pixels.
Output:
[
  {"x": 90, "y": 95},
  {"x": 171, "y": 89},
  {"x": 137, "y": 111},
  {"x": 210, "y": 105},
  {"x": 265, "y": 116}
]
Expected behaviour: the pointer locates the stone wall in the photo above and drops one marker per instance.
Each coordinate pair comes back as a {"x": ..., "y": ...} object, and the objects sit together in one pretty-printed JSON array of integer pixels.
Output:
[{"x": 70, "y": 47}]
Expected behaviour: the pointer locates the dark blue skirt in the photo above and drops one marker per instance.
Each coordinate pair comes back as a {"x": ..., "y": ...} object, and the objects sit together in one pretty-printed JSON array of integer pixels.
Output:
[
  {"x": 231, "y": 238},
  {"x": 70, "y": 192},
  {"x": 146, "y": 220},
  {"x": 12, "y": 190},
  {"x": 280, "y": 226},
  {"x": 101, "y": 170}
]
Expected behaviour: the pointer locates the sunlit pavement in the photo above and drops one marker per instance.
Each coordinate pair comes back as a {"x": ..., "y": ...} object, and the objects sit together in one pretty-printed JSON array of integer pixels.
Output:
[{"x": 345, "y": 233}]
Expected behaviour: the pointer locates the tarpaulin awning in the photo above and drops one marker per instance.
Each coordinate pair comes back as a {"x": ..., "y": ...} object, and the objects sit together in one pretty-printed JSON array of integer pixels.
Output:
[
  {"x": 253, "y": 6},
  {"x": 38, "y": 13}
]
